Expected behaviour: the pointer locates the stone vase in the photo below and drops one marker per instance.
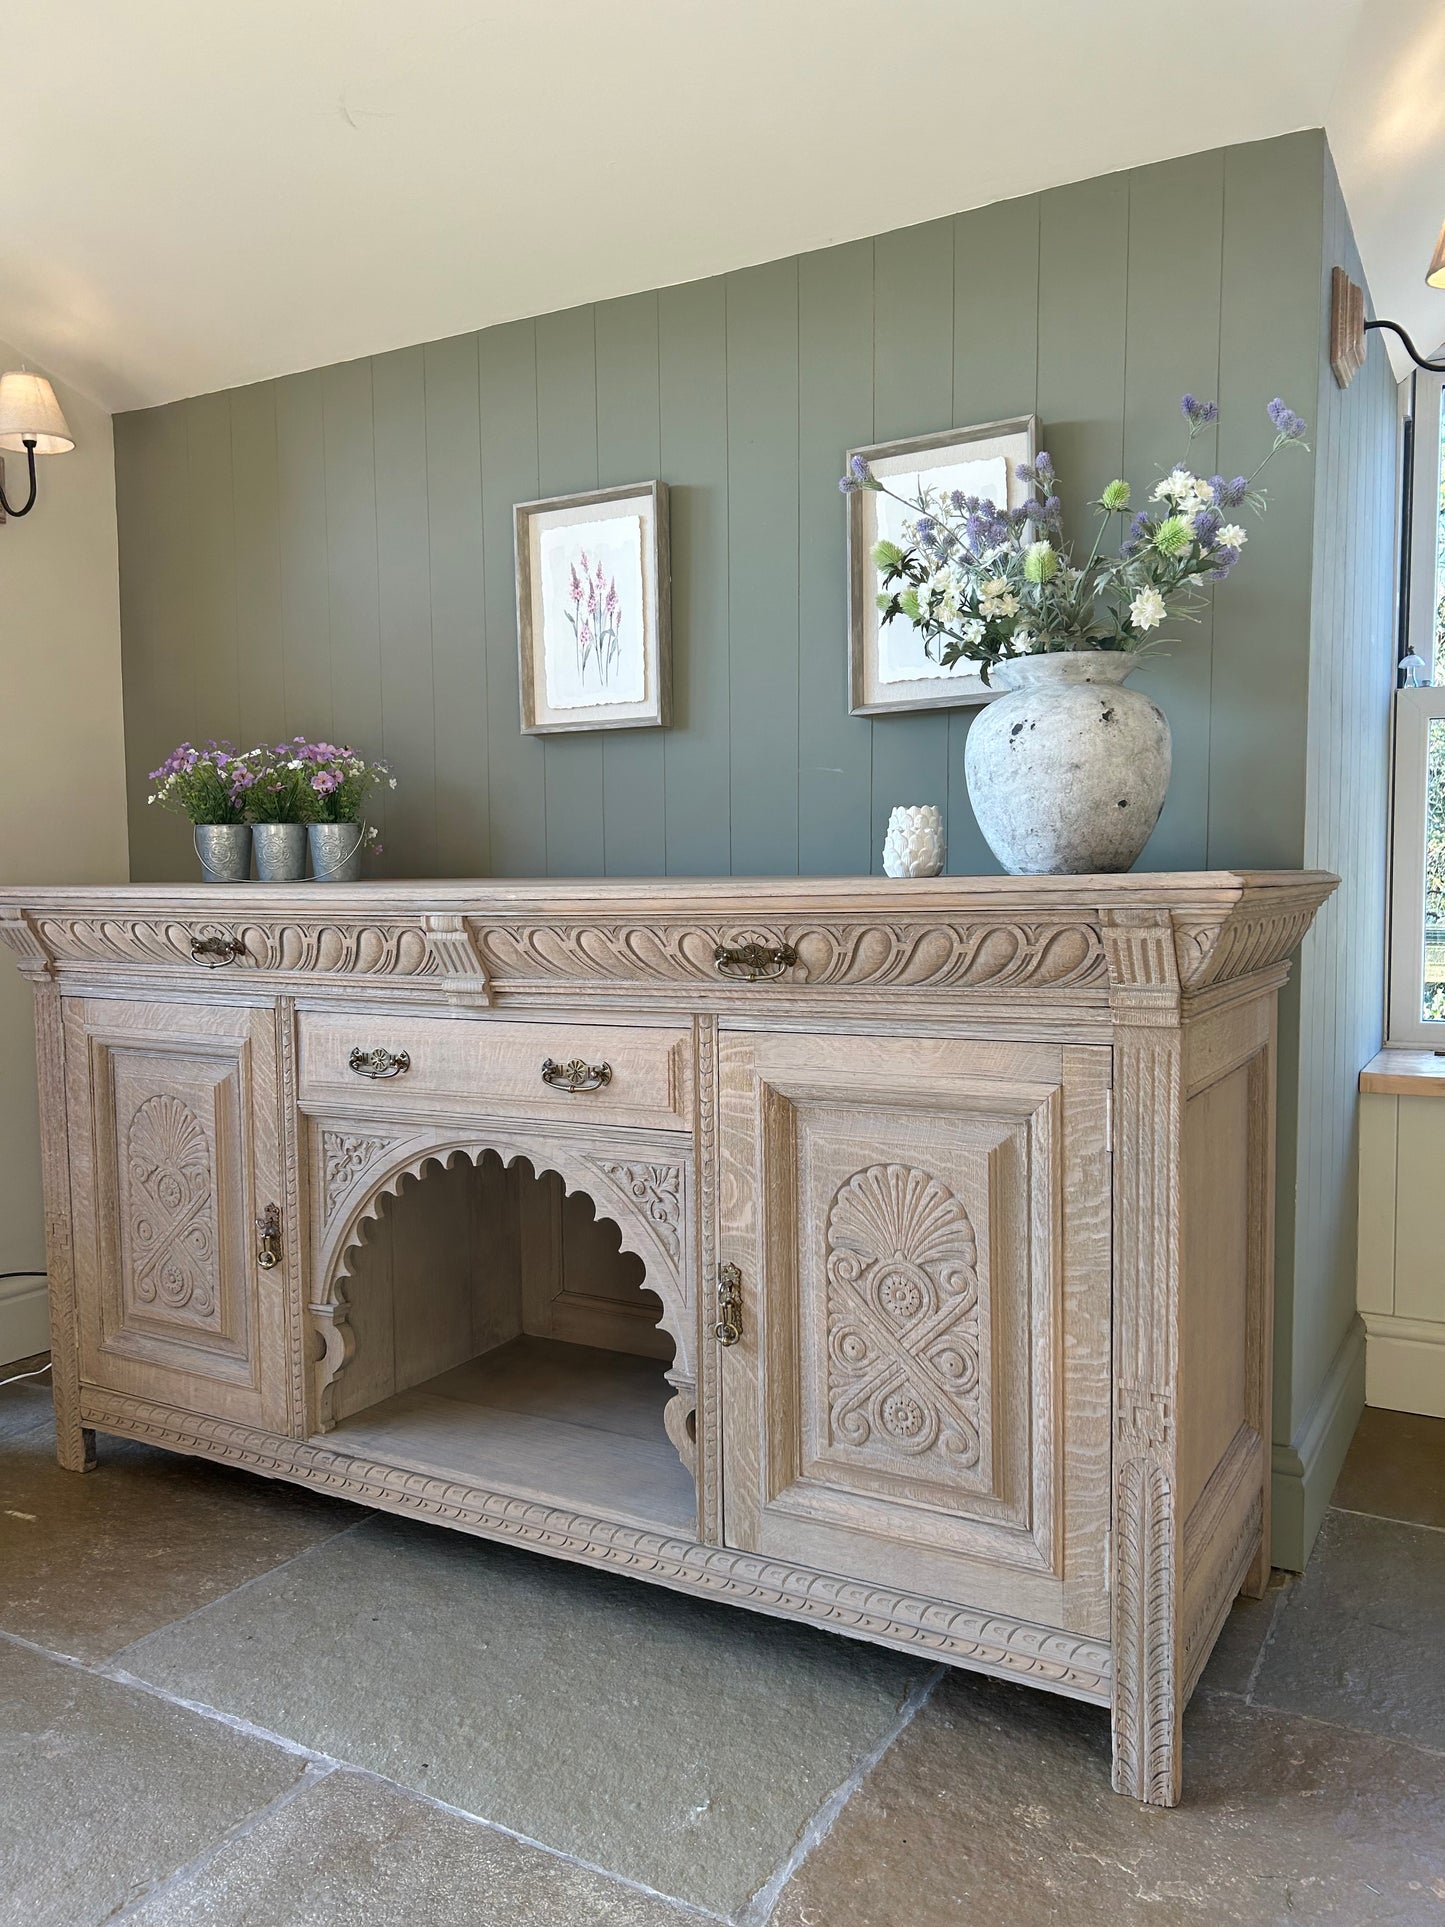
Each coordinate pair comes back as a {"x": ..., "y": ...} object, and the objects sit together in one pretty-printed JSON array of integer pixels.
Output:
[
  {"x": 280, "y": 852},
  {"x": 336, "y": 851},
  {"x": 913, "y": 846},
  {"x": 224, "y": 850},
  {"x": 1067, "y": 773}
]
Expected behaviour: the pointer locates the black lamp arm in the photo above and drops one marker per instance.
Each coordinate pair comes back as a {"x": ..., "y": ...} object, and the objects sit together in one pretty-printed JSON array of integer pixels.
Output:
[
  {"x": 30, "y": 498},
  {"x": 1433, "y": 367}
]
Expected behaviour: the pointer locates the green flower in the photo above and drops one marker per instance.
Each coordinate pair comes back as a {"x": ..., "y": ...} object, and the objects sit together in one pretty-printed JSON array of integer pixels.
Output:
[
  {"x": 908, "y": 603},
  {"x": 1040, "y": 562},
  {"x": 887, "y": 554},
  {"x": 1173, "y": 535},
  {"x": 1115, "y": 497}
]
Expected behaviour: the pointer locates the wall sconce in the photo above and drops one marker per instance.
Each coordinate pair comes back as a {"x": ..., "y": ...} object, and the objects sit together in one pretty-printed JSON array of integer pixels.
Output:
[
  {"x": 1348, "y": 326},
  {"x": 30, "y": 420}
]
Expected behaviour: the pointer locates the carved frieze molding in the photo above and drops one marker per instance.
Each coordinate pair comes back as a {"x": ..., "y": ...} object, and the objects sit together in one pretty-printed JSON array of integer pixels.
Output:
[
  {"x": 992, "y": 1642},
  {"x": 434, "y": 952},
  {"x": 973, "y": 953}
]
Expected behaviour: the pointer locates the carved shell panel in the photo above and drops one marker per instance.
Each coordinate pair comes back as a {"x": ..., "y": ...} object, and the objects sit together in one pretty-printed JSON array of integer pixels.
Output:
[
  {"x": 169, "y": 1215},
  {"x": 902, "y": 1370}
]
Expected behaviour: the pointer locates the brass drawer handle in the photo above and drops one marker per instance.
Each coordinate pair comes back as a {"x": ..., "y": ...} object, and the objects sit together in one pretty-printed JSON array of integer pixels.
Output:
[
  {"x": 575, "y": 1076},
  {"x": 214, "y": 951},
  {"x": 729, "y": 1327},
  {"x": 754, "y": 962},
  {"x": 379, "y": 1062},
  {"x": 268, "y": 1230}
]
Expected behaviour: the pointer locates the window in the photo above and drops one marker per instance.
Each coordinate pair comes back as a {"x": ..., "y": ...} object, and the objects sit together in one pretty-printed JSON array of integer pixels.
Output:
[{"x": 1417, "y": 900}]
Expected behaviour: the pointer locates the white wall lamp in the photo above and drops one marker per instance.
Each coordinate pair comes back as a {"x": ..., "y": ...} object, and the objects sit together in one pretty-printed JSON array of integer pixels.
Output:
[
  {"x": 1348, "y": 326},
  {"x": 30, "y": 422}
]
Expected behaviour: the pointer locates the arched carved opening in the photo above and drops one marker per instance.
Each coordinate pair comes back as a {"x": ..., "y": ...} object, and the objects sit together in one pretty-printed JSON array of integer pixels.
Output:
[{"x": 486, "y": 1315}]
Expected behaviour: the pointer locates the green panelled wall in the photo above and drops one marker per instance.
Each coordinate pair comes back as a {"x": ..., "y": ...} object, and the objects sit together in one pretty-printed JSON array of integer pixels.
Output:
[{"x": 331, "y": 553}]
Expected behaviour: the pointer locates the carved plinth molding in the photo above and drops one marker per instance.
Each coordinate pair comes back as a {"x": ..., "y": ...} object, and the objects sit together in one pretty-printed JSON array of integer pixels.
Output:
[{"x": 992, "y": 1642}]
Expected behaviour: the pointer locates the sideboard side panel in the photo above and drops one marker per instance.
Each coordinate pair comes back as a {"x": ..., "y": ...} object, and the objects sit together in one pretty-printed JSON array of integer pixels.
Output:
[{"x": 74, "y": 1445}]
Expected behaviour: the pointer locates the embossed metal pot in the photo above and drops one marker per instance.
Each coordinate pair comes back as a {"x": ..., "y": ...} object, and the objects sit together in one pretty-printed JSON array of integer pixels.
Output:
[
  {"x": 336, "y": 851},
  {"x": 224, "y": 850},
  {"x": 1067, "y": 773},
  {"x": 280, "y": 852}
]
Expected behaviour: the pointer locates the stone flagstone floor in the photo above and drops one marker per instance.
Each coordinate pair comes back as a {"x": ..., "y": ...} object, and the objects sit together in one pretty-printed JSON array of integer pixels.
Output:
[{"x": 230, "y": 1703}]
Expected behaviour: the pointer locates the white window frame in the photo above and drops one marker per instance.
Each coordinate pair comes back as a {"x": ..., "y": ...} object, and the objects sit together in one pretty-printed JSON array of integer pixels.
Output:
[{"x": 1414, "y": 711}]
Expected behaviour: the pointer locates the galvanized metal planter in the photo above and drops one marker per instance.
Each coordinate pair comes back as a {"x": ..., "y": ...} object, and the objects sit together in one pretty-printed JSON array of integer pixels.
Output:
[
  {"x": 280, "y": 852},
  {"x": 224, "y": 850},
  {"x": 336, "y": 851}
]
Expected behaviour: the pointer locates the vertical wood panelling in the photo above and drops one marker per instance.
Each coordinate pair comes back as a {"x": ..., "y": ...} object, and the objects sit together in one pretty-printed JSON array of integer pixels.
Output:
[
  {"x": 458, "y": 586},
  {"x": 762, "y": 415},
  {"x": 351, "y": 564},
  {"x": 692, "y": 392},
  {"x": 175, "y": 715},
  {"x": 1172, "y": 348},
  {"x": 141, "y": 464},
  {"x": 301, "y": 524},
  {"x": 211, "y": 560},
  {"x": 913, "y": 392},
  {"x": 567, "y": 463},
  {"x": 507, "y": 360},
  {"x": 403, "y": 588},
  {"x": 629, "y": 449},
  {"x": 835, "y": 412},
  {"x": 995, "y": 376},
  {"x": 1379, "y": 1124},
  {"x": 262, "y": 717}
]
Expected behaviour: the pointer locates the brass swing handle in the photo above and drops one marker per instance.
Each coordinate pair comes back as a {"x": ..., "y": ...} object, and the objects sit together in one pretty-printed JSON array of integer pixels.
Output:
[
  {"x": 754, "y": 962},
  {"x": 268, "y": 1230},
  {"x": 212, "y": 952},
  {"x": 379, "y": 1062},
  {"x": 729, "y": 1327},
  {"x": 576, "y": 1075}
]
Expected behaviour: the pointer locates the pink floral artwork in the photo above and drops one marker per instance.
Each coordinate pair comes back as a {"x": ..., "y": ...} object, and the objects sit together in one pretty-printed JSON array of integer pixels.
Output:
[{"x": 594, "y": 646}]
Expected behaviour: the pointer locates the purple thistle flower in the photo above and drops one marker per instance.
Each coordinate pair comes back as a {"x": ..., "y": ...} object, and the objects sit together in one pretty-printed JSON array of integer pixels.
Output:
[
  {"x": 1229, "y": 495},
  {"x": 958, "y": 501},
  {"x": 1198, "y": 413},
  {"x": 1207, "y": 525},
  {"x": 1289, "y": 426},
  {"x": 1027, "y": 472},
  {"x": 1224, "y": 560},
  {"x": 1051, "y": 513},
  {"x": 975, "y": 532},
  {"x": 1044, "y": 465},
  {"x": 860, "y": 470}
]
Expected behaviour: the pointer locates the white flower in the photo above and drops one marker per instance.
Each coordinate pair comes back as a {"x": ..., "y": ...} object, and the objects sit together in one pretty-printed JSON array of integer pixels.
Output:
[
  {"x": 1025, "y": 641},
  {"x": 1231, "y": 536},
  {"x": 392, "y": 783},
  {"x": 972, "y": 631},
  {"x": 1146, "y": 611}
]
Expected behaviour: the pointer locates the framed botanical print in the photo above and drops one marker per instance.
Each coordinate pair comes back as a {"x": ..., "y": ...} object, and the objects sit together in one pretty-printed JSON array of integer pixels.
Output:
[
  {"x": 888, "y": 669},
  {"x": 593, "y": 625}
]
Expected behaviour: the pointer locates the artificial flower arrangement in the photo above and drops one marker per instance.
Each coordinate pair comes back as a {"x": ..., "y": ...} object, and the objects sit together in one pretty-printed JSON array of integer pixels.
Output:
[
  {"x": 295, "y": 782},
  {"x": 201, "y": 784},
  {"x": 985, "y": 584}
]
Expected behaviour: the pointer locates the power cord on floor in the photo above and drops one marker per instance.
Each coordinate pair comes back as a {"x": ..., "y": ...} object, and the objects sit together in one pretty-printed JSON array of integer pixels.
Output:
[{"x": 40, "y": 1370}]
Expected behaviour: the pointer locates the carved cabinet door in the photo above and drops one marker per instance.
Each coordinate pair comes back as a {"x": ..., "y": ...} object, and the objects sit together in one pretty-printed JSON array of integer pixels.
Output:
[
  {"x": 176, "y": 1156},
  {"x": 918, "y": 1394}
]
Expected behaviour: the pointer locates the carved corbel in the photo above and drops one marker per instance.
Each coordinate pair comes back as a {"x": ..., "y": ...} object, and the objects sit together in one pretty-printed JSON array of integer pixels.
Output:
[
  {"x": 453, "y": 956},
  {"x": 17, "y": 933},
  {"x": 332, "y": 1323}
]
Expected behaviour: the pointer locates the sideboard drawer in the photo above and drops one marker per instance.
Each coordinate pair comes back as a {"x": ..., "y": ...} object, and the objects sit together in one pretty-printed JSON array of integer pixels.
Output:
[{"x": 558, "y": 1069}]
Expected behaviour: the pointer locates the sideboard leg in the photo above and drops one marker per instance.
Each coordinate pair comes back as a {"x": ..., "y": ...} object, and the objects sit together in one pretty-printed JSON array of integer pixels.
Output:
[
  {"x": 74, "y": 1444},
  {"x": 1146, "y": 1577}
]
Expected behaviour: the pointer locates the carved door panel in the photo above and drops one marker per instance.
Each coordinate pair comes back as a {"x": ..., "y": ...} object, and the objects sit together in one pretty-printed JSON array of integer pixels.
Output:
[
  {"x": 176, "y": 1139},
  {"x": 919, "y": 1397}
]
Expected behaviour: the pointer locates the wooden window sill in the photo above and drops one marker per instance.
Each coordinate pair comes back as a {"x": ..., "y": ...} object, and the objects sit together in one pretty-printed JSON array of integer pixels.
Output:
[{"x": 1397, "y": 1072}]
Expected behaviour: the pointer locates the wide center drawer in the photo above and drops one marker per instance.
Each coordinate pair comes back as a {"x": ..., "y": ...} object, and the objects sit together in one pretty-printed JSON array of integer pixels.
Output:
[{"x": 555, "y": 1069}]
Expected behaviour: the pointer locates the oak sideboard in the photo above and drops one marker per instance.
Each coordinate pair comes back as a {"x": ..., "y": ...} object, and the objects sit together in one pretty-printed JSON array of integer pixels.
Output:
[{"x": 895, "y": 1256}]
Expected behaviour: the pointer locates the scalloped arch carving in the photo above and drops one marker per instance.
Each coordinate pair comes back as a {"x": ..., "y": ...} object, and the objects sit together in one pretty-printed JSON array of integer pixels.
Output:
[{"x": 649, "y": 1202}]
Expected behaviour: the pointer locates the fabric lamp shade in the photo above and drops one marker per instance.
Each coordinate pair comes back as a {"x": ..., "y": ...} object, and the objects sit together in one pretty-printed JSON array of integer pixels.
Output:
[
  {"x": 1435, "y": 273},
  {"x": 30, "y": 412}
]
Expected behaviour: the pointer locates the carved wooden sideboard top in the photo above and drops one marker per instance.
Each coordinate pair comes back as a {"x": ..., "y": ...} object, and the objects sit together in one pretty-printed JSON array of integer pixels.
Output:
[{"x": 1092, "y": 940}]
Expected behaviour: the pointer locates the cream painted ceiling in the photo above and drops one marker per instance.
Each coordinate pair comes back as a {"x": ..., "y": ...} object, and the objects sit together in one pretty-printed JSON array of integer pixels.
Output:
[{"x": 199, "y": 193}]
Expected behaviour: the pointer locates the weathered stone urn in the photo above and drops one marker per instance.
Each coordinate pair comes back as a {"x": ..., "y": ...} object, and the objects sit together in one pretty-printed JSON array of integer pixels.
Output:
[{"x": 1067, "y": 773}]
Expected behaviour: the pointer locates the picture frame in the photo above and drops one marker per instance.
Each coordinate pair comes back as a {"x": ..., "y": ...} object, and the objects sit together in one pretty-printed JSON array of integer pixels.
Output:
[
  {"x": 881, "y": 657},
  {"x": 594, "y": 631}
]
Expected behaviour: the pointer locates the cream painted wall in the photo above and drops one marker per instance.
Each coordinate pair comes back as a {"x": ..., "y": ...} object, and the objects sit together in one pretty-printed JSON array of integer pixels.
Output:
[
  {"x": 1401, "y": 1278},
  {"x": 62, "y": 776}
]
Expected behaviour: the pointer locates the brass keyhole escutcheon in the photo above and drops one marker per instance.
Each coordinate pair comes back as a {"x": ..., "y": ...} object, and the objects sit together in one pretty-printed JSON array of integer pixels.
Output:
[
  {"x": 268, "y": 1230},
  {"x": 729, "y": 1327}
]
